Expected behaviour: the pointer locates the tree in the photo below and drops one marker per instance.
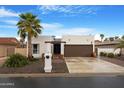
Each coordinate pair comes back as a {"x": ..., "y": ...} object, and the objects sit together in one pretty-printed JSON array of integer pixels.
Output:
[
  {"x": 122, "y": 37},
  {"x": 121, "y": 46},
  {"x": 22, "y": 37},
  {"x": 102, "y": 36},
  {"x": 116, "y": 37},
  {"x": 106, "y": 39},
  {"x": 111, "y": 38},
  {"x": 29, "y": 25}
]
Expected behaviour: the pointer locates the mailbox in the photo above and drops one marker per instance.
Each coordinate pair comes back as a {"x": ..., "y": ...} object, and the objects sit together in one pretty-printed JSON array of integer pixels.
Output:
[{"x": 48, "y": 62}]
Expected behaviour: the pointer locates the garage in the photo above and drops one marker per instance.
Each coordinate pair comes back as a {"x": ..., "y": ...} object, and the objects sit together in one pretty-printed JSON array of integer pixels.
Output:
[{"x": 78, "y": 50}]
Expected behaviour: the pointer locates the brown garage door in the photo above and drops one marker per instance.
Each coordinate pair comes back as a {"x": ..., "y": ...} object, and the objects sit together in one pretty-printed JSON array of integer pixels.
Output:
[{"x": 78, "y": 50}]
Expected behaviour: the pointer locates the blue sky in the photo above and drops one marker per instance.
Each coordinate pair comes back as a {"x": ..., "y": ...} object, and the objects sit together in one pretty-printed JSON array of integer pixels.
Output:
[{"x": 63, "y": 20}]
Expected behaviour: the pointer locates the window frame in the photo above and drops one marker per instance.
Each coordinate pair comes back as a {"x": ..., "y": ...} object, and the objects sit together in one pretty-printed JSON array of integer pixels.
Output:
[{"x": 37, "y": 50}]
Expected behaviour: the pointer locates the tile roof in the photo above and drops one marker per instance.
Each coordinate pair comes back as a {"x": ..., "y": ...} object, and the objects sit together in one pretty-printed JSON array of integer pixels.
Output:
[{"x": 8, "y": 41}]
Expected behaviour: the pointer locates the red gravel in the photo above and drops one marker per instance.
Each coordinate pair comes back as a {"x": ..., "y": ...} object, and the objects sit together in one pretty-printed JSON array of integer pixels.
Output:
[
  {"x": 114, "y": 60},
  {"x": 37, "y": 67}
]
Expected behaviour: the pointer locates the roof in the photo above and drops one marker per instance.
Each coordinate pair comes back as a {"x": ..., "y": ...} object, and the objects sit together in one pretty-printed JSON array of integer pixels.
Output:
[{"x": 8, "y": 41}]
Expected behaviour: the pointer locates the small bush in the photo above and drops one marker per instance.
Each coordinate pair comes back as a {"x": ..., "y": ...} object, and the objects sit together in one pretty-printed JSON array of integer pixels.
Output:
[
  {"x": 103, "y": 54},
  {"x": 16, "y": 60},
  {"x": 118, "y": 55},
  {"x": 111, "y": 55}
]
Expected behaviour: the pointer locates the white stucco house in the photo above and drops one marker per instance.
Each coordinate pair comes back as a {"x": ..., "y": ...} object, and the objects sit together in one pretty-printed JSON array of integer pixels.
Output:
[{"x": 68, "y": 45}]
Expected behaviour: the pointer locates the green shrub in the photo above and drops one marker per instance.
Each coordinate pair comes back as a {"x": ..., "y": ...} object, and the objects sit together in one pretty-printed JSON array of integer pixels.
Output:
[
  {"x": 16, "y": 60},
  {"x": 103, "y": 54},
  {"x": 117, "y": 55},
  {"x": 111, "y": 55}
]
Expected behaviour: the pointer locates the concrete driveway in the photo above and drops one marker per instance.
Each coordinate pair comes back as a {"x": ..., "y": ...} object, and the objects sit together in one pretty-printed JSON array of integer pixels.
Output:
[{"x": 91, "y": 65}]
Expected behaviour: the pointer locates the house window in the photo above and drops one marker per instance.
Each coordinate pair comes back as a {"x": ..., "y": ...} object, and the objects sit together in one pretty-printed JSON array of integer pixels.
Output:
[{"x": 35, "y": 48}]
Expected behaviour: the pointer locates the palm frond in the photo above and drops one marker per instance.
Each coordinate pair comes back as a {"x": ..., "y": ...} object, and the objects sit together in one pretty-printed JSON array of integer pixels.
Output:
[{"x": 29, "y": 24}]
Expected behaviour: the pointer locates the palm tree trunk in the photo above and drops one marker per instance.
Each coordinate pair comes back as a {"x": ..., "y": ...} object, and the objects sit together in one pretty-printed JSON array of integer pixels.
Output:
[
  {"x": 120, "y": 51},
  {"x": 22, "y": 44},
  {"x": 29, "y": 47}
]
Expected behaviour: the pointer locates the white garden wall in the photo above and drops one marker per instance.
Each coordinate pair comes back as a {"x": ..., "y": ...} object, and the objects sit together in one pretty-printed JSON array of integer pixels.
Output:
[{"x": 108, "y": 50}]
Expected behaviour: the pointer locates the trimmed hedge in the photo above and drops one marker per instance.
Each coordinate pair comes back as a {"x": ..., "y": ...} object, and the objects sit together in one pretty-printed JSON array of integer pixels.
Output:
[
  {"x": 111, "y": 55},
  {"x": 16, "y": 60},
  {"x": 103, "y": 54}
]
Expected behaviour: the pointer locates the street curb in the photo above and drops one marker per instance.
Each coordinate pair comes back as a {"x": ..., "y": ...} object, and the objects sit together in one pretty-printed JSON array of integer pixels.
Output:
[{"x": 63, "y": 75}]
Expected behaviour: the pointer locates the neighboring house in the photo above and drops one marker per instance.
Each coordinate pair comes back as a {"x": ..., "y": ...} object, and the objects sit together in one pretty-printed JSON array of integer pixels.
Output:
[
  {"x": 7, "y": 46},
  {"x": 68, "y": 45},
  {"x": 107, "y": 46}
]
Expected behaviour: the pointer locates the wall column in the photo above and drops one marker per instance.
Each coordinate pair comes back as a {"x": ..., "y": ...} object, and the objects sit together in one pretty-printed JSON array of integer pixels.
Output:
[
  {"x": 93, "y": 47},
  {"x": 48, "y": 48},
  {"x": 62, "y": 48},
  {"x": 48, "y": 58}
]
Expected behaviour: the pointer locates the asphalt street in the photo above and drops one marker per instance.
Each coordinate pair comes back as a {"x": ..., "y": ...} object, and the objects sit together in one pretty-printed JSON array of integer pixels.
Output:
[{"x": 62, "y": 82}]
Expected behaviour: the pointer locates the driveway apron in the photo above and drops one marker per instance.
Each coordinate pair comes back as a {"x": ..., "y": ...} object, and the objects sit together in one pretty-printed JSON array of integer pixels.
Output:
[{"x": 91, "y": 65}]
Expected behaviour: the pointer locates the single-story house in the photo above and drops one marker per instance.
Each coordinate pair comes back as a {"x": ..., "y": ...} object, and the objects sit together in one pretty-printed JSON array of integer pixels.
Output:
[
  {"x": 7, "y": 46},
  {"x": 68, "y": 45},
  {"x": 107, "y": 46}
]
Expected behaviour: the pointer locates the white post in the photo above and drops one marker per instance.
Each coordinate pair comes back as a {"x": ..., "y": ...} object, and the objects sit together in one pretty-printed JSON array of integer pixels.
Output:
[
  {"x": 48, "y": 58},
  {"x": 62, "y": 48},
  {"x": 98, "y": 49},
  {"x": 27, "y": 48},
  {"x": 93, "y": 42}
]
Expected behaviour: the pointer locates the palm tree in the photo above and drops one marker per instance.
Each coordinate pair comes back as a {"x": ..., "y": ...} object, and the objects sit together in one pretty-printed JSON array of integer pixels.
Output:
[
  {"x": 22, "y": 37},
  {"x": 121, "y": 46},
  {"x": 29, "y": 25},
  {"x": 102, "y": 36}
]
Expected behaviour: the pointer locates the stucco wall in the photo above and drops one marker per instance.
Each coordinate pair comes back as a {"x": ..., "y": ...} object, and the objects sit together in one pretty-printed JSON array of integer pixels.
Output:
[
  {"x": 22, "y": 51},
  {"x": 78, "y": 39},
  {"x": 108, "y": 50},
  {"x": 3, "y": 51},
  {"x": 41, "y": 41}
]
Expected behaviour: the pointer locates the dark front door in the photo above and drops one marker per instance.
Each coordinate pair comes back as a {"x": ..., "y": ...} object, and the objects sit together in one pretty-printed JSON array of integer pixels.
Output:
[{"x": 57, "y": 48}]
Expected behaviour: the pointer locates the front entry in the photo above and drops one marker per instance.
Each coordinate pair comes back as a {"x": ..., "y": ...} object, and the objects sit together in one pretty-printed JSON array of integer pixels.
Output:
[{"x": 57, "y": 48}]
